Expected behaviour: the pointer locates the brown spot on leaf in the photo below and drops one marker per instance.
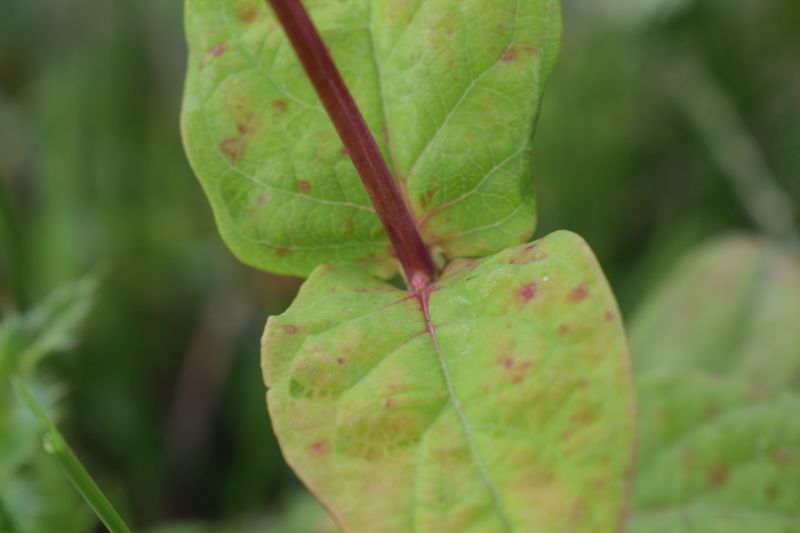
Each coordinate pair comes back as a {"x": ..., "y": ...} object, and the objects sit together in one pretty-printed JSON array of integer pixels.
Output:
[
  {"x": 320, "y": 447},
  {"x": 610, "y": 316},
  {"x": 291, "y": 329},
  {"x": 510, "y": 54},
  {"x": 583, "y": 417},
  {"x": 783, "y": 457},
  {"x": 507, "y": 362},
  {"x": 283, "y": 251},
  {"x": 527, "y": 292},
  {"x": 340, "y": 360},
  {"x": 233, "y": 148},
  {"x": 349, "y": 227},
  {"x": 246, "y": 13},
  {"x": 304, "y": 186},
  {"x": 717, "y": 475},
  {"x": 388, "y": 403},
  {"x": 280, "y": 105},
  {"x": 579, "y": 293},
  {"x": 426, "y": 198},
  {"x": 563, "y": 329},
  {"x": 261, "y": 200},
  {"x": 218, "y": 49}
]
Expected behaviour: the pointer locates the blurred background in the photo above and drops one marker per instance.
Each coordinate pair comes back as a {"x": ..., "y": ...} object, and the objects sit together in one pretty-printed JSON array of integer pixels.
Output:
[{"x": 666, "y": 122}]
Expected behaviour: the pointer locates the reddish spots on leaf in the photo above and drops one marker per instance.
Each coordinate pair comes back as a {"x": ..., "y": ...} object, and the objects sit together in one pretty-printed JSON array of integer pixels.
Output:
[
  {"x": 527, "y": 292},
  {"x": 283, "y": 251},
  {"x": 304, "y": 186},
  {"x": 340, "y": 360},
  {"x": 388, "y": 403},
  {"x": 510, "y": 54},
  {"x": 232, "y": 147},
  {"x": 261, "y": 200},
  {"x": 529, "y": 254},
  {"x": 717, "y": 475},
  {"x": 280, "y": 105},
  {"x": 516, "y": 369},
  {"x": 579, "y": 293},
  {"x": 291, "y": 329},
  {"x": 610, "y": 316},
  {"x": 320, "y": 447},
  {"x": 218, "y": 49},
  {"x": 246, "y": 13},
  {"x": 563, "y": 329},
  {"x": 507, "y": 362}
]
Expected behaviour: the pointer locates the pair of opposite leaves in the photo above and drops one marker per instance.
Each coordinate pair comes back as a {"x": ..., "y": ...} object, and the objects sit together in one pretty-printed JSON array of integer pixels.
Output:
[{"x": 498, "y": 399}]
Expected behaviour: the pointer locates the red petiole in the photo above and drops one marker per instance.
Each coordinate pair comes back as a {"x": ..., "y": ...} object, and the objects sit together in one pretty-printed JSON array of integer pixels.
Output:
[{"x": 393, "y": 212}]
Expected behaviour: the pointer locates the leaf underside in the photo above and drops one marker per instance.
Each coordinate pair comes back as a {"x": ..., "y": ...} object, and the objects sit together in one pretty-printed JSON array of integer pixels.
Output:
[
  {"x": 498, "y": 400},
  {"x": 717, "y": 353},
  {"x": 450, "y": 88}
]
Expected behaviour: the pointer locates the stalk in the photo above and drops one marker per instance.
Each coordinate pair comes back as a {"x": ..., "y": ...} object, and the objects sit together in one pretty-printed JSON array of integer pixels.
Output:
[{"x": 392, "y": 210}]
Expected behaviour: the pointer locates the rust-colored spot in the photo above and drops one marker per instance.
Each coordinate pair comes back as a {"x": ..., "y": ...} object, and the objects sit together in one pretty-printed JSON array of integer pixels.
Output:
[
  {"x": 320, "y": 447},
  {"x": 283, "y": 251},
  {"x": 304, "y": 186},
  {"x": 507, "y": 362},
  {"x": 772, "y": 492},
  {"x": 261, "y": 200},
  {"x": 578, "y": 293},
  {"x": 783, "y": 456},
  {"x": 583, "y": 417},
  {"x": 388, "y": 403},
  {"x": 340, "y": 360},
  {"x": 527, "y": 292},
  {"x": 232, "y": 147},
  {"x": 246, "y": 13},
  {"x": 529, "y": 254},
  {"x": 563, "y": 329},
  {"x": 717, "y": 475},
  {"x": 349, "y": 227},
  {"x": 610, "y": 316},
  {"x": 280, "y": 105},
  {"x": 218, "y": 49},
  {"x": 291, "y": 329},
  {"x": 510, "y": 54}
]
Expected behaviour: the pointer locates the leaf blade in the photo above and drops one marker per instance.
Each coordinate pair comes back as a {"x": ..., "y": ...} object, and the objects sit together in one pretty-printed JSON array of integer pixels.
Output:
[
  {"x": 399, "y": 422},
  {"x": 285, "y": 196}
]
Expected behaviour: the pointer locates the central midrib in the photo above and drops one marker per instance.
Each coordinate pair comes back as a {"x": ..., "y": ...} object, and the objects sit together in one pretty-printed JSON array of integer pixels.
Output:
[{"x": 423, "y": 297}]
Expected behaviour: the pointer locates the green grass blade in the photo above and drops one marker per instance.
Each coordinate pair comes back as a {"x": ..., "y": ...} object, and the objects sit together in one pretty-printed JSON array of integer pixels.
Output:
[{"x": 56, "y": 445}]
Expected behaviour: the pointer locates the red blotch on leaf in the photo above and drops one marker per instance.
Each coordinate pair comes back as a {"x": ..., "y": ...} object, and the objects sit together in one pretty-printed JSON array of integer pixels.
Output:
[
  {"x": 340, "y": 360},
  {"x": 610, "y": 316},
  {"x": 578, "y": 293},
  {"x": 388, "y": 403},
  {"x": 563, "y": 329},
  {"x": 527, "y": 292},
  {"x": 218, "y": 49},
  {"x": 291, "y": 329},
  {"x": 304, "y": 186},
  {"x": 320, "y": 447}
]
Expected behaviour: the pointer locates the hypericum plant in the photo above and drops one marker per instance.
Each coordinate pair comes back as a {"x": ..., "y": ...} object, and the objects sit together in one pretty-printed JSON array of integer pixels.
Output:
[{"x": 493, "y": 392}]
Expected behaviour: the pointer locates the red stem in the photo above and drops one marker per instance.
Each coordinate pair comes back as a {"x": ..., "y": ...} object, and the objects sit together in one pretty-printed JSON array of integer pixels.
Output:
[{"x": 393, "y": 212}]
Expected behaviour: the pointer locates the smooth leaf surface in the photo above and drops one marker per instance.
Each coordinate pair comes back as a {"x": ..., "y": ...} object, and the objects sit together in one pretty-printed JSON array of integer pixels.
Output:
[
  {"x": 716, "y": 457},
  {"x": 498, "y": 400},
  {"x": 731, "y": 308},
  {"x": 450, "y": 88}
]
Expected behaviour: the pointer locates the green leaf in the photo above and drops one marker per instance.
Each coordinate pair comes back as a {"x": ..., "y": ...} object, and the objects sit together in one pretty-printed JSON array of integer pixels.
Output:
[
  {"x": 730, "y": 309},
  {"x": 501, "y": 400},
  {"x": 450, "y": 88},
  {"x": 716, "y": 457}
]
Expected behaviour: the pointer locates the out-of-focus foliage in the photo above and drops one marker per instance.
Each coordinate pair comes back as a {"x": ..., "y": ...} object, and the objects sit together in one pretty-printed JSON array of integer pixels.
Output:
[
  {"x": 34, "y": 495},
  {"x": 717, "y": 355},
  {"x": 164, "y": 398}
]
